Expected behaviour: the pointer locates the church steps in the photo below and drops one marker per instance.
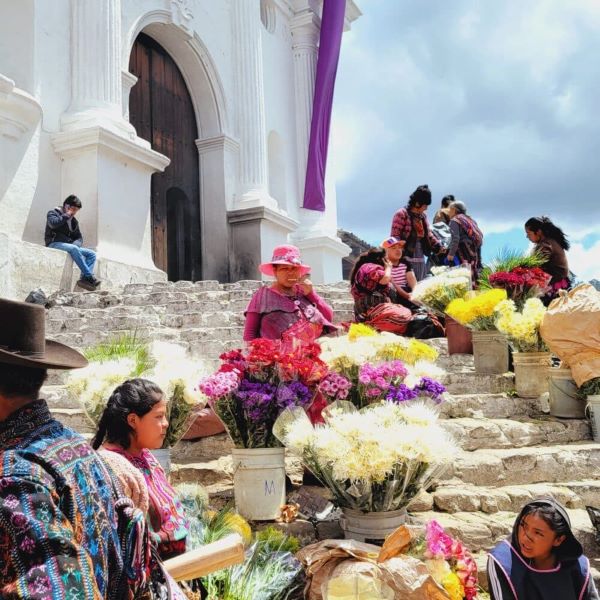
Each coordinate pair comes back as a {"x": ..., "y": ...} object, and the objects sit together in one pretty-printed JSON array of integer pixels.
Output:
[
  {"x": 491, "y": 406},
  {"x": 521, "y": 466},
  {"x": 458, "y": 497}
]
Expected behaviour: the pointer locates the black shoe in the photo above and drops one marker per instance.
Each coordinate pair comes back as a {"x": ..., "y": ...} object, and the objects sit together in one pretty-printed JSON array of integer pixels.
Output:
[
  {"x": 86, "y": 284},
  {"x": 95, "y": 282}
]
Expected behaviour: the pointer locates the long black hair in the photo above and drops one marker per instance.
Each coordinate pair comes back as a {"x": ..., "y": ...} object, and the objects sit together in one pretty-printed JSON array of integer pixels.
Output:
[
  {"x": 132, "y": 396},
  {"x": 549, "y": 229},
  {"x": 373, "y": 255}
]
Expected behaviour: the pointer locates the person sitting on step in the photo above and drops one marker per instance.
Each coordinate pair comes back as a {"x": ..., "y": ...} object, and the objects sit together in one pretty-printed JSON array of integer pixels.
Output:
[
  {"x": 542, "y": 559},
  {"x": 290, "y": 301},
  {"x": 63, "y": 233}
]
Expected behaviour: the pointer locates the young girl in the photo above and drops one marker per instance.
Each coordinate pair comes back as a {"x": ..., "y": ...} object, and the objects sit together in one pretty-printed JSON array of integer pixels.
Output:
[
  {"x": 133, "y": 423},
  {"x": 542, "y": 560}
]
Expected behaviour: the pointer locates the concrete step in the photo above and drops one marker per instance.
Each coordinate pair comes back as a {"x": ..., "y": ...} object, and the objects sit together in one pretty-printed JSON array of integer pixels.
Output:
[
  {"x": 491, "y": 406},
  {"x": 476, "y": 433},
  {"x": 74, "y": 418},
  {"x": 518, "y": 466},
  {"x": 468, "y": 382},
  {"x": 480, "y": 532},
  {"x": 458, "y": 497}
]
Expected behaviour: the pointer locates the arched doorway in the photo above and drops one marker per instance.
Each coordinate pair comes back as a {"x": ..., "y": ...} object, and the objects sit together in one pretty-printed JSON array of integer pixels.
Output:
[{"x": 161, "y": 110}]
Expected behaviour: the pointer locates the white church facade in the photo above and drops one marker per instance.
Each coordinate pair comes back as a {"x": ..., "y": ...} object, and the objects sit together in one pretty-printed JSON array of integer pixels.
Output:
[{"x": 182, "y": 125}]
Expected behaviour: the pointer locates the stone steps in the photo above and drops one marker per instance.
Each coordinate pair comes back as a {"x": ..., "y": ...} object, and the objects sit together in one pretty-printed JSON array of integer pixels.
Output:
[
  {"x": 524, "y": 466},
  {"x": 491, "y": 406},
  {"x": 452, "y": 497},
  {"x": 477, "y": 433}
]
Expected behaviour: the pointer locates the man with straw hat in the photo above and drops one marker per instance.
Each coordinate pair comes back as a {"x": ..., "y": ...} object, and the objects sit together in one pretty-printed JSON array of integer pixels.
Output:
[{"x": 58, "y": 522}]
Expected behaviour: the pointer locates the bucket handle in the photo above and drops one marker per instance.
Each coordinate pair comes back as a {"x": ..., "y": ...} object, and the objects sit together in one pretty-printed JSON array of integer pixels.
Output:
[{"x": 257, "y": 468}]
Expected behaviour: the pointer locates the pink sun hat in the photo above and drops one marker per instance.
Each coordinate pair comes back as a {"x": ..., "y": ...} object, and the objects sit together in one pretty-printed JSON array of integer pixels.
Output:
[{"x": 284, "y": 255}]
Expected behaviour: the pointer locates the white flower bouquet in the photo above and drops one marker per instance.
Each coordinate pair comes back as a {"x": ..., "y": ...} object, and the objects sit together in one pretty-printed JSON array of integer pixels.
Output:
[
  {"x": 165, "y": 364},
  {"x": 376, "y": 459},
  {"x": 446, "y": 285}
]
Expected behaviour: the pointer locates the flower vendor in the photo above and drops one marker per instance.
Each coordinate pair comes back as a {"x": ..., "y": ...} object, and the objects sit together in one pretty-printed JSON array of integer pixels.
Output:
[
  {"x": 403, "y": 276},
  {"x": 467, "y": 239},
  {"x": 133, "y": 423},
  {"x": 374, "y": 293},
  {"x": 410, "y": 224},
  {"x": 542, "y": 559},
  {"x": 551, "y": 244},
  {"x": 289, "y": 300},
  {"x": 57, "y": 509}
]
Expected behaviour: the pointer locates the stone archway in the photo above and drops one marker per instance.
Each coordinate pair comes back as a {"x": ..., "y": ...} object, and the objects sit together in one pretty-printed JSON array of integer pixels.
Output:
[{"x": 216, "y": 150}]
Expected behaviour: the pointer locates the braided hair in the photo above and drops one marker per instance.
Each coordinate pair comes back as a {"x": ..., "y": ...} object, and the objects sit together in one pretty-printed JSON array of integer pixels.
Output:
[
  {"x": 549, "y": 230},
  {"x": 421, "y": 196},
  {"x": 136, "y": 396}
]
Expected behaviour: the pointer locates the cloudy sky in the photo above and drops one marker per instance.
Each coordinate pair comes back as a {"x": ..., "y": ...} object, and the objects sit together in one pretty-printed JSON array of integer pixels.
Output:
[{"x": 497, "y": 103}]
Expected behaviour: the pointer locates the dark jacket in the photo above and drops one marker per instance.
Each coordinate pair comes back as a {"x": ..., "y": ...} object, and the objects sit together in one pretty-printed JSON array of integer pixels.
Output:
[
  {"x": 512, "y": 578},
  {"x": 61, "y": 228}
]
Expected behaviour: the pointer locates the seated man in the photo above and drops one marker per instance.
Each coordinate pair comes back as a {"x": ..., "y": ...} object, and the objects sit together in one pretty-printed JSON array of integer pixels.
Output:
[
  {"x": 58, "y": 521},
  {"x": 63, "y": 233}
]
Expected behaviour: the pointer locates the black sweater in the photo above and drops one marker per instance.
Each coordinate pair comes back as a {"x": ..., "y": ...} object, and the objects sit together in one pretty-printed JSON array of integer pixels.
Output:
[{"x": 61, "y": 228}]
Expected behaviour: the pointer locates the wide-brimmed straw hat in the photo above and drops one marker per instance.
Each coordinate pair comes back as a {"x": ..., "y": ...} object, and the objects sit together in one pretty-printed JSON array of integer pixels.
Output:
[
  {"x": 284, "y": 255},
  {"x": 392, "y": 241},
  {"x": 23, "y": 339}
]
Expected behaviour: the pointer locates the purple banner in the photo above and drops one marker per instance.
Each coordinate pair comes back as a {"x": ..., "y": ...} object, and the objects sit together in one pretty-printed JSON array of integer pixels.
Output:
[{"x": 332, "y": 26}]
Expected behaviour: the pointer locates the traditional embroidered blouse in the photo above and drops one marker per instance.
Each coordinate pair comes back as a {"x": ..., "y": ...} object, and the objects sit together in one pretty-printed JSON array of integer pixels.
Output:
[
  {"x": 169, "y": 526},
  {"x": 58, "y": 530},
  {"x": 270, "y": 313}
]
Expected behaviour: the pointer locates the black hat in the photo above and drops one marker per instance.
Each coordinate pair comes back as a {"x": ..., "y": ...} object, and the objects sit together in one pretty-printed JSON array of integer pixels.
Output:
[{"x": 23, "y": 339}]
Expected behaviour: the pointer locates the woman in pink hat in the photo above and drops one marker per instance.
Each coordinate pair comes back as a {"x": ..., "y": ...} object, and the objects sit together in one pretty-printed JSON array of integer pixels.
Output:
[{"x": 289, "y": 300}]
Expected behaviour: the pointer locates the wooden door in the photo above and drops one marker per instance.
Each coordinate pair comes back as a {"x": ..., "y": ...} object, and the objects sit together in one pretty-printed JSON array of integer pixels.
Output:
[{"x": 161, "y": 110}]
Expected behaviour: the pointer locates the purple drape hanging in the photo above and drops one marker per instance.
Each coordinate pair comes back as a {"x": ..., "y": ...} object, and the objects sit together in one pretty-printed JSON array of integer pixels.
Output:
[{"x": 332, "y": 26}]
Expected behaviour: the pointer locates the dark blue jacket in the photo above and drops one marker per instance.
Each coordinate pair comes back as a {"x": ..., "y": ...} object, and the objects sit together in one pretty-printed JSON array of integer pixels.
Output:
[{"x": 61, "y": 228}]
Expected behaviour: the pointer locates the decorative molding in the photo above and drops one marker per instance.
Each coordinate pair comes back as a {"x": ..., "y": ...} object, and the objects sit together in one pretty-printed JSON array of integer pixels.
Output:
[
  {"x": 255, "y": 213},
  {"x": 222, "y": 143},
  {"x": 182, "y": 15},
  {"x": 324, "y": 242},
  {"x": 268, "y": 15},
  {"x": 19, "y": 112},
  {"x": 128, "y": 80},
  {"x": 69, "y": 143}
]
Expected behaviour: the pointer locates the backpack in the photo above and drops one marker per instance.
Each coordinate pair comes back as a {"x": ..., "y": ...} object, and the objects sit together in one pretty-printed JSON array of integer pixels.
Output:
[{"x": 424, "y": 326}]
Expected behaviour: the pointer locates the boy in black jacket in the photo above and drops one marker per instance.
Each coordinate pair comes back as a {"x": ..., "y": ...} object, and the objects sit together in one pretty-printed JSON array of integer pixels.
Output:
[{"x": 63, "y": 233}]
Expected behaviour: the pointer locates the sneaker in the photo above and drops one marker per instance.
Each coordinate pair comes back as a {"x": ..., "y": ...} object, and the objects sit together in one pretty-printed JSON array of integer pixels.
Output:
[
  {"x": 95, "y": 282},
  {"x": 86, "y": 285}
]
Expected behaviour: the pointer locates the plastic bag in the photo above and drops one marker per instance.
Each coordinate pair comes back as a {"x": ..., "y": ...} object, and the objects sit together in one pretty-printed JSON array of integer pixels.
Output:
[{"x": 571, "y": 329}]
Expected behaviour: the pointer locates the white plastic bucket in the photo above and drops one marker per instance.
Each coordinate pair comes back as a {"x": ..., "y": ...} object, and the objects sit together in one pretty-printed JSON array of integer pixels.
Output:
[
  {"x": 374, "y": 526},
  {"x": 259, "y": 482},
  {"x": 490, "y": 352},
  {"x": 593, "y": 411},
  {"x": 563, "y": 395},
  {"x": 531, "y": 373}
]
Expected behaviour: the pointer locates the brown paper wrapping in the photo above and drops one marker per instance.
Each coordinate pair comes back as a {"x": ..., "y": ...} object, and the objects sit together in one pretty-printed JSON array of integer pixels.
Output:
[
  {"x": 571, "y": 329},
  {"x": 351, "y": 570},
  {"x": 208, "y": 559}
]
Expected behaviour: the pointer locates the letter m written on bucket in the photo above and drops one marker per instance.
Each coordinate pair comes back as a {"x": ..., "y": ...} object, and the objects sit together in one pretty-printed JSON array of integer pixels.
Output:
[{"x": 269, "y": 487}]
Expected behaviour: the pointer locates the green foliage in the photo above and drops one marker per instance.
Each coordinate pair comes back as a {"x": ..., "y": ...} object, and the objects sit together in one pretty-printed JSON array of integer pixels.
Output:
[
  {"x": 507, "y": 260},
  {"x": 590, "y": 388},
  {"x": 126, "y": 345},
  {"x": 275, "y": 540}
]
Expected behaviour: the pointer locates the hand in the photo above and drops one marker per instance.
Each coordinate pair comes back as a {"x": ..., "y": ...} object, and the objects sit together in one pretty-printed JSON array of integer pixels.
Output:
[
  {"x": 387, "y": 264},
  {"x": 305, "y": 285},
  {"x": 450, "y": 258}
]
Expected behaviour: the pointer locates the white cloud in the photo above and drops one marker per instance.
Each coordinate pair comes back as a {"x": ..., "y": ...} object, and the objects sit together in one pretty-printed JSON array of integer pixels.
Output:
[{"x": 585, "y": 263}]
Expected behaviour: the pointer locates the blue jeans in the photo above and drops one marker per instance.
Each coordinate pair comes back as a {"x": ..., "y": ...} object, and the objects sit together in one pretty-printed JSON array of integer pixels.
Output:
[{"x": 84, "y": 258}]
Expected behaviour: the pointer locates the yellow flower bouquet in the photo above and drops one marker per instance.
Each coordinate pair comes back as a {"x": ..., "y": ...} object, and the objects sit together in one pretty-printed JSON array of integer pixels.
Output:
[
  {"x": 477, "y": 311},
  {"x": 438, "y": 291},
  {"x": 522, "y": 328}
]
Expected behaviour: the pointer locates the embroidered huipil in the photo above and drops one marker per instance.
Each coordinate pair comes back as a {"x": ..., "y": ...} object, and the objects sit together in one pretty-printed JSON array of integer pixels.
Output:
[{"x": 58, "y": 535}]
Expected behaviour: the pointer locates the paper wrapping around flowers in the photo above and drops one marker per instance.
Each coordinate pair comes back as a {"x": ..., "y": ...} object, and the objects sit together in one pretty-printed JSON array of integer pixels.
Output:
[
  {"x": 571, "y": 329},
  {"x": 348, "y": 570}
]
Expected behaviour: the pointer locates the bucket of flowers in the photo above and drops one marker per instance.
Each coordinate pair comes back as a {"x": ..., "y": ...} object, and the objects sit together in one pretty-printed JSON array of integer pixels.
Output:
[
  {"x": 477, "y": 312},
  {"x": 248, "y": 392},
  {"x": 366, "y": 367},
  {"x": 530, "y": 355},
  {"x": 374, "y": 460}
]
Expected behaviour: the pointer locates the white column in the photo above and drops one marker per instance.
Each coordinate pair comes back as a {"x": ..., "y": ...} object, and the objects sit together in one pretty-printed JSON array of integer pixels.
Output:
[
  {"x": 253, "y": 183},
  {"x": 305, "y": 40},
  {"x": 96, "y": 88}
]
